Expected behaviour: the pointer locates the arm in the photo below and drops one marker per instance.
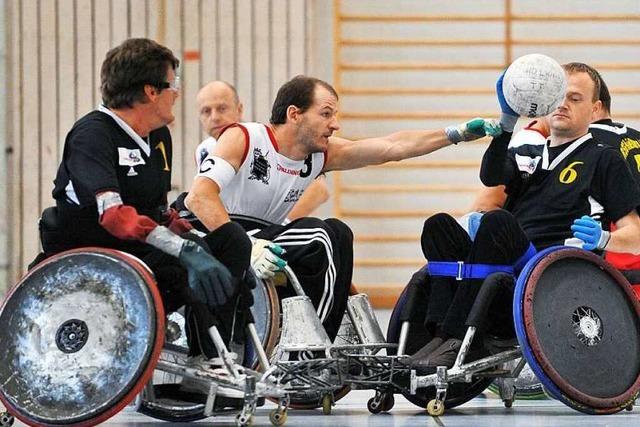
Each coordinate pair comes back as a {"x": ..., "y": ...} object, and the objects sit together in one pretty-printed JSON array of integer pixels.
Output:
[
  {"x": 489, "y": 198},
  {"x": 497, "y": 168},
  {"x": 626, "y": 238},
  {"x": 345, "y": 154},
  {"x": 215, "y": 171},
  {"x": 315, "y": 195}
]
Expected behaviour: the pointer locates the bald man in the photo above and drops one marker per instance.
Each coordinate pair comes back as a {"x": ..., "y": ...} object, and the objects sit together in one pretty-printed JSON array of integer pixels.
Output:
[{"x": 219, "y": 106}]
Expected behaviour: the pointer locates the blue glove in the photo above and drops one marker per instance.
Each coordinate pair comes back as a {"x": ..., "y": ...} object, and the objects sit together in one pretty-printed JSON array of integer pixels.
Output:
[
  {"x": 509, "y": 118},
  {"x": 591, "y": 233},
  {"x": 210, "y": 281}
]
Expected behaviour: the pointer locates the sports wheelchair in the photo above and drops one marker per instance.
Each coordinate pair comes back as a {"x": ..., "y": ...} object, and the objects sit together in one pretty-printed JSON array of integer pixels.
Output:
[
  {"x": 84, "y": 334},
  {"x": 577, "y": 325}
]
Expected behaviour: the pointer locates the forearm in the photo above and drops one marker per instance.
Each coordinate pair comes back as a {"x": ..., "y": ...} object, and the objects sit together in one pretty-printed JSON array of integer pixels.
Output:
[
  {"x": 489, "y": 198},
  {"x": 207, "y": 206},
  {"x": 406, "y": 144},
  {"x": 625, "y": 239},
  {"x": 496, "y": 169}
]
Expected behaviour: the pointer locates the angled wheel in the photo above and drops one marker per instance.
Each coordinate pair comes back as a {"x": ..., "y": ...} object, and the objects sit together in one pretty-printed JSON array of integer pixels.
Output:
[
  {"x": 578, "y": 324},
  {"x": 81, "y": 334},
  {"x": 457, "y": 393}
]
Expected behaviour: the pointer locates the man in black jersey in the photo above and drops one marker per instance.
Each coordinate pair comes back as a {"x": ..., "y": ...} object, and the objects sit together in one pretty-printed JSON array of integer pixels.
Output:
[
  {"x": 554, "y": 197},
  {"x": 112, "y": 184}
]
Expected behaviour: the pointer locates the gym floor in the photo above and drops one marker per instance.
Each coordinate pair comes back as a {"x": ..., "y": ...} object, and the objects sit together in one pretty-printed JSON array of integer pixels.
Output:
[
  {"x": 485, "y": 410},
  {"x": 480, "y": 412}
]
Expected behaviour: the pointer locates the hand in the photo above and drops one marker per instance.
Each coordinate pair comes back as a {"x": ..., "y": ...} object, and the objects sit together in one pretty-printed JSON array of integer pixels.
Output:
[
  {"x": 504, "y": 106},
  {"x": 509, "y": 118},
  {"x": 209, "y": 279},
  {"x": 591, "y": 233},
  {"x": 473, "y": 129},
  {"x": 249, "y": 283},
  {"x": 265, "y": 258},
  {"x": 176, "y": 224}
]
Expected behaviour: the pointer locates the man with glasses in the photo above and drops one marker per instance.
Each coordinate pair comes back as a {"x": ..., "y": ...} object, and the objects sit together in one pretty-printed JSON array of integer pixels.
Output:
[{"x": 112, "y": 184}]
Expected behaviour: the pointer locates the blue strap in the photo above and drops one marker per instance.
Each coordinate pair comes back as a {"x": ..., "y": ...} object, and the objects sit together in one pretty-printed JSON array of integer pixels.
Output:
[
  {"x": 520, "y": 263},
  {"x": 461, "y": 270}
]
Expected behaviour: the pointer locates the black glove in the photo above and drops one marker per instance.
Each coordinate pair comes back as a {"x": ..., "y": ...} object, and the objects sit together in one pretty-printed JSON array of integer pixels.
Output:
[
  {"x": 250, "y": 283},
  {"x": 209, "y": 279}
]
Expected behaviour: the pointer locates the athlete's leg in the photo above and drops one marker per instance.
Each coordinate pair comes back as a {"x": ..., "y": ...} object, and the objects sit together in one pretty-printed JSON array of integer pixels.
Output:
[{"x": 321, "y": 254}]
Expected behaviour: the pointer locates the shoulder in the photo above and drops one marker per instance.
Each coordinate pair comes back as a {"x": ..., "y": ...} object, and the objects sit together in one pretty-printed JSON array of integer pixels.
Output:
[{"x": 95, "y": 126}]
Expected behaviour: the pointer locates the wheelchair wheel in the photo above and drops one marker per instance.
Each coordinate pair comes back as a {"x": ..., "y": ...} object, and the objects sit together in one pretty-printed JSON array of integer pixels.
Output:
[
  {"x": 81, "y": 334},
  {"x": 266, "y": 314},
  {"x": 578, "y": 324},
  {"x": 169, "y": 402},
  {"x": 457, "y": 393}
]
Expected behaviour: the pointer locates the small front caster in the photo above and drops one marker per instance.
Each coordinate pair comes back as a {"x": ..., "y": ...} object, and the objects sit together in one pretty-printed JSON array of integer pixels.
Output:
[
  {"x": 435, "y": 408},
  {"x": 374, "y": 406},
  {"x": 244, "y": 420},
  {"x": 327, "y": 401},
  {"x": 508, "y": 403},
  {"x": 6, "y": 419},
  {"x": 629, "y": 407},
  {"x": 278, "y": 417}
]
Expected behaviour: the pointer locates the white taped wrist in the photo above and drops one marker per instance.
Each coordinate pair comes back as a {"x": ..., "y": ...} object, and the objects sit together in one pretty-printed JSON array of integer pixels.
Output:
[
  {"x": 165, "y": 240},
  {"x": 107, "y": 200},
  {"x": 508, "y": 122},
  {"x": 217, "y": 169},
  {"x": 604, "y": 240}
]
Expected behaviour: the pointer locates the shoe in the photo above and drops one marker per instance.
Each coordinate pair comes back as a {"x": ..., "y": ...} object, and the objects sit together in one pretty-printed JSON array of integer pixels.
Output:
[
  {"x": 419, "y": 359},
  {"x": 446, "y": 354}
]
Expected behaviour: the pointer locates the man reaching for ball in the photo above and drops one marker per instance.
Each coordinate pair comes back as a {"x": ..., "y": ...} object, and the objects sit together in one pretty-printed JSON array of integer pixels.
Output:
[{"x": 559, "y": 194}]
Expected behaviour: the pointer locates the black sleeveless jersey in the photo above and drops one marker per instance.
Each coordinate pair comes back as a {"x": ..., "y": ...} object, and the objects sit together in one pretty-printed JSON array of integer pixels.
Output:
[{"x": 585, "y": 177}]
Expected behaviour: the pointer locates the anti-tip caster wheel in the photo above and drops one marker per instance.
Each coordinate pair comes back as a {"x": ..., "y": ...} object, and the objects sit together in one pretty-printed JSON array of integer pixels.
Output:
[
  {"x": 435, "y": 408},
  {"x": 373, "y": 406},
  {"x": 508, "y": 403},
  {"x": 278, "y": 418},
  {"x": 388, "y": 402},
  {"x": 6, "y": 419},
  {"x": 327, "y": 401},
  {"x": 243, "y": 420}
]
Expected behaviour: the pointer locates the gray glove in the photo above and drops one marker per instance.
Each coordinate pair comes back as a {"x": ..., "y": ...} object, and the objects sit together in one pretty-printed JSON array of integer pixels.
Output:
[{"x": 209, "y": 279}]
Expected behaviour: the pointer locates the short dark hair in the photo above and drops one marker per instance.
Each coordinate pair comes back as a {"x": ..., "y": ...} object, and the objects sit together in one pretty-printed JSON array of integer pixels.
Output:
[
  {"x": 298, "y": 91},
  {"x": 605, "y": 96},
  {"x": 579, "y": 67},
  {"x": 130, "y": 66}
]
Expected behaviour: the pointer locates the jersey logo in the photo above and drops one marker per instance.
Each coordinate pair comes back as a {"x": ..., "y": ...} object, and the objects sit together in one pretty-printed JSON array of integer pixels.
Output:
[
  {"x": 131, "y": 158},
  {"x": 259, "y": 168},
  {"x": 569, "y": 174},
  {"x": 527, "y": 164}
]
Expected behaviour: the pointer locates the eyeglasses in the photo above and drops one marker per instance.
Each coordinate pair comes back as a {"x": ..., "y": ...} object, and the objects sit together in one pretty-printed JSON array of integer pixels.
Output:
[{"x": 174, "y": 85}]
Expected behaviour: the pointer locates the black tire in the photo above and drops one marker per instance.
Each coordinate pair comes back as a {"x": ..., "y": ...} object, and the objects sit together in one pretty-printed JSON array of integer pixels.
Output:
[{"x": 457, "y": 393}]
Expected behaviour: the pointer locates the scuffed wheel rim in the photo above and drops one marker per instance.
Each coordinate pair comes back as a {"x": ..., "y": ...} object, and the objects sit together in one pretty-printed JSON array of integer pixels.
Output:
[
  {"x": 577, "y": 319},
  {"x": 83, "y": 331}
]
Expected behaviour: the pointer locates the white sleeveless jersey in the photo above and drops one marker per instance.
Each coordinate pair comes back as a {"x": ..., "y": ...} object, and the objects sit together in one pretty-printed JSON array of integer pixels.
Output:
[{"x": 268, "y": 184}]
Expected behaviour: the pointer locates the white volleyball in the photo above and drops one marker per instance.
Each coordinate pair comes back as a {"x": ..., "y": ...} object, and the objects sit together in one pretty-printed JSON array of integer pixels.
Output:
[{"x": 534, "y": 85}]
